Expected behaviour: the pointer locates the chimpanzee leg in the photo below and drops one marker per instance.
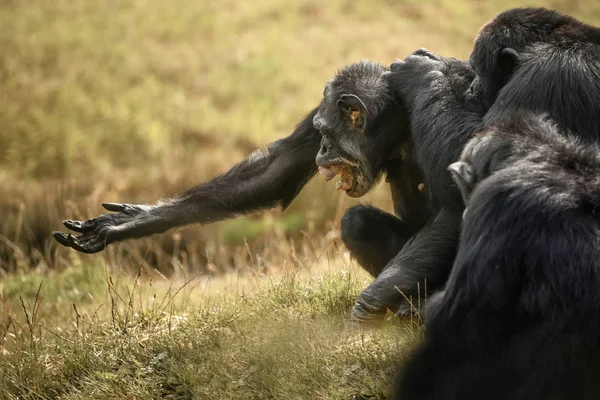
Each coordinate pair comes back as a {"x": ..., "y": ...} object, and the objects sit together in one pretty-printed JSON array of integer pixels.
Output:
[
  {"x": 373, "y": 236},
  {"x": 421, "y": 267}
]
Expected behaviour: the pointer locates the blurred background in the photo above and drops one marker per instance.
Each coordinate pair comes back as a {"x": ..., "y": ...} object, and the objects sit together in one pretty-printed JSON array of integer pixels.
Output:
[{"x": 133, "y": 101}]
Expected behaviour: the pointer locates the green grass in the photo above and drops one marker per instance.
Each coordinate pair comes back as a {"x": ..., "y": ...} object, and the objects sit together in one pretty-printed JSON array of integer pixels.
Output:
[{"x": 83, "y": 333}]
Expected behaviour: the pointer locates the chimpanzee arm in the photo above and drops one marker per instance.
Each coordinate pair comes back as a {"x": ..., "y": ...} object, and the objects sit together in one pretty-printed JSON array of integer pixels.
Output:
[
  {"x": 267, "y": 178},
  {"x": 422, "y": 266},
  {"x": 409, "y": 194},
  {"x": 445, "y": 112}
]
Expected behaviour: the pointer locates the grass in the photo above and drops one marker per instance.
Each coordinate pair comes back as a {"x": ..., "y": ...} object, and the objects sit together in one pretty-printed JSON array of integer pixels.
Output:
[
  {"x": 87, "y": 332},
  {"x": 136, "y": 100}
]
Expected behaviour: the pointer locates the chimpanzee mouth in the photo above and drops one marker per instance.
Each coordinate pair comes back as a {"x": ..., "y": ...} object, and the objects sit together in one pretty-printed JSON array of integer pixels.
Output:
[{"x": 352, "y": 180}]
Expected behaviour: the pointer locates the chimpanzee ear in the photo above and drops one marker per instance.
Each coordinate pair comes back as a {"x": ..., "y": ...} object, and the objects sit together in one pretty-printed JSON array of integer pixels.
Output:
[
  {"x": 510, "y": 53},
  {"x": 508, "y": 60},
  {"x": 463, "y": 175},
  {"x": 354, "y": 109}
]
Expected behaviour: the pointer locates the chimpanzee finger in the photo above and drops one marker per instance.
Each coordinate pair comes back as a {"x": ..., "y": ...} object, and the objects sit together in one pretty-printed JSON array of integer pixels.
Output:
[
  {"x": 79, "y": 226},
  {"x": 116, "y": 207},
  {"x": 81, "y": 248},
  {"x": 396, "y": 65},
  {"x": 425, "y": 53},
  {"x": 61, "y": 238},
  {"x": 88, "y": 247}
]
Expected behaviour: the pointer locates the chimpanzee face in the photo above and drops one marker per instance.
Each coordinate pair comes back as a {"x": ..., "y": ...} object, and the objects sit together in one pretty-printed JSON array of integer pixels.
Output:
[
  {"x": 350, "y": 101},
  {"x": 340, "y": 151},
  {"x": 501, "y": 45},
  {"x": 485, "y": 154}
]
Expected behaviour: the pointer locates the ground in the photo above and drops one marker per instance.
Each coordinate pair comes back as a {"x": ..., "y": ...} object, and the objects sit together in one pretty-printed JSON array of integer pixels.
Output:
[{"x": 85, "y": 333}]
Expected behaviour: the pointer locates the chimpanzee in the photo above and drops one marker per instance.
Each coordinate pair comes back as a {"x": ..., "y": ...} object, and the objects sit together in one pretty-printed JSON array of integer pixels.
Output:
[
  {"x": 540, "y": 60},
  {"x": 358, "y": 131},
  {"x": 519, "y": 315}
]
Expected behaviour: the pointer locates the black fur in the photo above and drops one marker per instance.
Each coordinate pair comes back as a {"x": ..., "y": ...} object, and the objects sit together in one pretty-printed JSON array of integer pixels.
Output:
[
  {"x": 556, "y": 56},
  {"x": 411, "y": 256},
  {"x": 519, "y": 316},
  {"x": 373, "y": 236},
  {"x": 540, "y": 60},
  {"x": 443, "y": 119},
  {"x": 397, "y": 251}
]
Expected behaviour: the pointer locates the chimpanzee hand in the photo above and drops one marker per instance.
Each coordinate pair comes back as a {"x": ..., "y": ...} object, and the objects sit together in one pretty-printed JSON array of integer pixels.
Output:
[
  {"x": 424, "y": 77},
  {"x": 415, "y": 75},
  {"x": 96, "y": 233},
  {"x": 422, "y": 59}
]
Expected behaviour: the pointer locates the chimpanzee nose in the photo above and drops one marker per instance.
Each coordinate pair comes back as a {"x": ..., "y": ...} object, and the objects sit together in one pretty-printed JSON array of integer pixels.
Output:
[
  {"x": 325, "y": 147},
  {"x": 324, "y": 152}
]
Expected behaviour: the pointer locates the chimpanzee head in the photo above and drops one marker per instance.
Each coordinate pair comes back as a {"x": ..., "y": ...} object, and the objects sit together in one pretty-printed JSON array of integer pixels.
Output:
[
  {"x": 501, "y": 43},
  {"x": 357, "y": 118},
  {"x": 483, "y": 155},
  {"x": 503, "y": 145}
]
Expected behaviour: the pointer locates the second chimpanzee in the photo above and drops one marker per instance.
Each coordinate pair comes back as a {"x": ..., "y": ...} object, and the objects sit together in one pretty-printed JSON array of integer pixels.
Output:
[{"x": 519, "y": 316}]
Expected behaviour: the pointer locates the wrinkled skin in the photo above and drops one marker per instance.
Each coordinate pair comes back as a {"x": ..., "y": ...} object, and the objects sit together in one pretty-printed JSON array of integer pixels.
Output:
[{"x": 345, "y": 119}]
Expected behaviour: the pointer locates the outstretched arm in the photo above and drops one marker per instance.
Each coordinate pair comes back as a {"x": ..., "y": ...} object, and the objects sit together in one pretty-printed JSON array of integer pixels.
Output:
[{"x": 267, "y": 178}]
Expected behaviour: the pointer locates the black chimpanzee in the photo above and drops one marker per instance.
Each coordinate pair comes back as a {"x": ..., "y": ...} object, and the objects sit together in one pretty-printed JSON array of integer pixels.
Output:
[
  {"x": 519, "y": 316},
  {"x": 357, "y": 131},
  {"x": 540, "y": 60}
]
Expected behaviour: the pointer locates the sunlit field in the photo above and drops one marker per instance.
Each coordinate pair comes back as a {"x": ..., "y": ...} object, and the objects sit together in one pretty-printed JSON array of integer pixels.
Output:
[{"x": 134, "y": 101}]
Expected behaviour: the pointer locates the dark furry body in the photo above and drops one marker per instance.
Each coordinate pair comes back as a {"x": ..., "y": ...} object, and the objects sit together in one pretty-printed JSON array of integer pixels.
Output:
[{"x": 519, "y": 316}]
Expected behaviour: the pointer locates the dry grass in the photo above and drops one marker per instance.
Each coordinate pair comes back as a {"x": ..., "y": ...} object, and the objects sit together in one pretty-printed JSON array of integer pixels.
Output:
[
  {"x": 92, "y": 332},
  {"x": 136, "y": 100}
]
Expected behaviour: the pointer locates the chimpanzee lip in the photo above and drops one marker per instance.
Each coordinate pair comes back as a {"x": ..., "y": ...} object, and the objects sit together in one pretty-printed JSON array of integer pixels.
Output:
[
  {"x": 347, "y": 171},
  {"x": 357, "y": 190}
]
